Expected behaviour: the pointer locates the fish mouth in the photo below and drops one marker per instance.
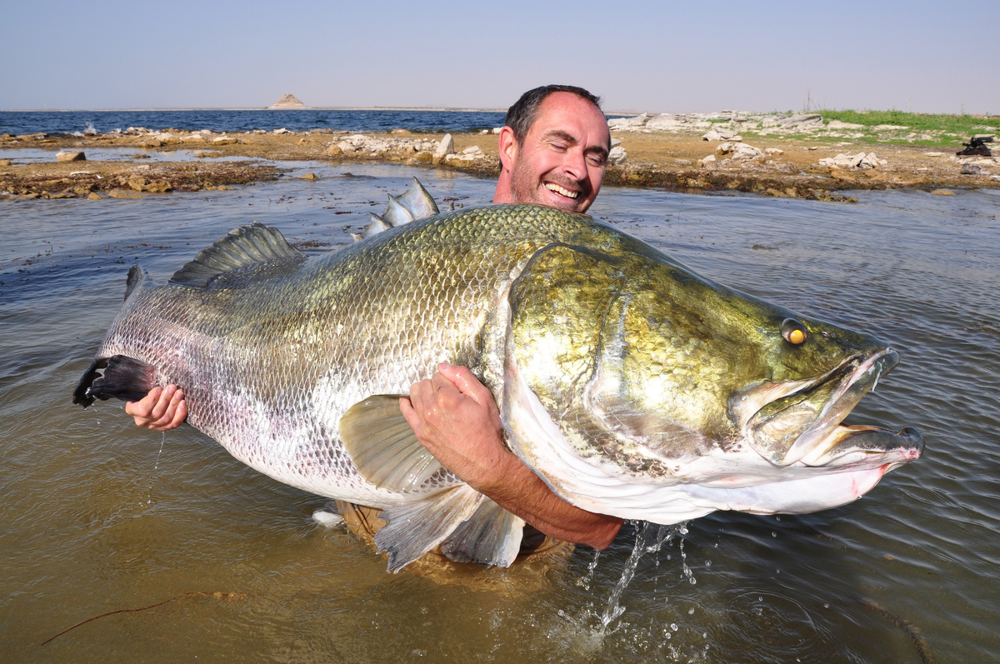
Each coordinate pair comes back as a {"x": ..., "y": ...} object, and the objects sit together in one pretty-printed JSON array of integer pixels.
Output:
[{"x": 802, "y": 420}]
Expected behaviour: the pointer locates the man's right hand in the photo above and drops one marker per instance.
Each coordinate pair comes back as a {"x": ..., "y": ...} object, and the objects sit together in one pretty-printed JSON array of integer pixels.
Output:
[{"x": 162, "y": 409}]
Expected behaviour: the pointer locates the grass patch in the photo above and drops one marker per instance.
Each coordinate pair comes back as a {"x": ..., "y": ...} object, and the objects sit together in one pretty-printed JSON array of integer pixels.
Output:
[{"x": 964, "y": 125}]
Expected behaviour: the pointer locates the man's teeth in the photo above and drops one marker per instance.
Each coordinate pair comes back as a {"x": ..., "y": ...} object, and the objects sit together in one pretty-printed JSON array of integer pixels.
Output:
[{"x": 559, "y": 190}]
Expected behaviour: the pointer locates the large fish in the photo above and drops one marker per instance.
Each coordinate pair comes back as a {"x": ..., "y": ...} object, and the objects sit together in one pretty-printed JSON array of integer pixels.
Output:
[{"x": 633, "y": 386}]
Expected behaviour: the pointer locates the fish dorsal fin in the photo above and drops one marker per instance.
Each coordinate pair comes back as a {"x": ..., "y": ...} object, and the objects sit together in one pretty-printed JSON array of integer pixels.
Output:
[
  {"x": 419, "y": 203},
  {"x": 241, "y": 247},
  {"x": 383, "y": 447},
  {"x": 396, "y": 214},
  {"x": 415, "y": 204}
]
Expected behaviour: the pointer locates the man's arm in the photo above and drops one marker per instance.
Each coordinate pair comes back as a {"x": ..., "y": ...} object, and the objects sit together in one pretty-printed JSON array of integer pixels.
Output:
[
  {"x": 457, "y": 420},
  {"x": 162, "y": 409}
]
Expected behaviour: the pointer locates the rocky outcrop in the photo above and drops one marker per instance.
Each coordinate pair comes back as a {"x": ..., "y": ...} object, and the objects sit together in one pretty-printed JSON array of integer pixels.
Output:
[
  {"x": 617, "y": 156},
  {"x": 860, "y": 161},
  {"x": 286, "y": 103}
]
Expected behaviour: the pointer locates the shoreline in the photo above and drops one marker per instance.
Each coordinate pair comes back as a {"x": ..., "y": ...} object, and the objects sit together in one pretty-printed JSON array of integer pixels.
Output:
[{"x": 797, "y": 166}]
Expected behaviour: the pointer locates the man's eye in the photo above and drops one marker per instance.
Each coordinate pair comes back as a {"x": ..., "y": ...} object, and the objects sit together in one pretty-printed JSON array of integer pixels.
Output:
[
  {"x": 561, "y": 147},
  {"x": 596, "y": 160}
]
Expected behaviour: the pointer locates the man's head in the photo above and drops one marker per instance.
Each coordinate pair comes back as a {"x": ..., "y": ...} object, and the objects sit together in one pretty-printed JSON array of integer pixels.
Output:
[{"x": 553, "y": 149}]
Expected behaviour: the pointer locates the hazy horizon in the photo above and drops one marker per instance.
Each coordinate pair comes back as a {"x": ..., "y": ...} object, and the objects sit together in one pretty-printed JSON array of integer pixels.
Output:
[{"x": 109, "y": 55}]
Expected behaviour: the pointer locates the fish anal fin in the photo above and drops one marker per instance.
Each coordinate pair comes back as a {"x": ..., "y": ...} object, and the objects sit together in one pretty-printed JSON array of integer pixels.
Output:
[
  {"x": 118, "y": 377},
  {"x": 248, "y": 245},
  {"x": 490, "y": 537},
  {"x": 412, "y": 529},
  {"x": 383, "y": 447}
]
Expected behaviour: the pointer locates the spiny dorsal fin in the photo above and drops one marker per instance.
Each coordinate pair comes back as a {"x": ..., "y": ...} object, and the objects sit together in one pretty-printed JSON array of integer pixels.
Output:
[
  {"x": 242, "y": 247},
  {"x": 415, "y": 204},
  {"x": 420, "y": 203},
  {"x": 383, "y": 447}
]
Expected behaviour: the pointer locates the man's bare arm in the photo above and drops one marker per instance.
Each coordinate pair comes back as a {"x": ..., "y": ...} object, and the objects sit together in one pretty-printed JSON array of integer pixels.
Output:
[
  {"x": 457, "y": 420},
  {"x": 162, "y": 409}
]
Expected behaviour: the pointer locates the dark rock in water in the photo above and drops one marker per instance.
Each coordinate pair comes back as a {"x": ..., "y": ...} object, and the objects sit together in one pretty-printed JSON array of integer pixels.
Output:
[
  {"x": 288, "y": 101},
  {"x": 976, "y": 146}
]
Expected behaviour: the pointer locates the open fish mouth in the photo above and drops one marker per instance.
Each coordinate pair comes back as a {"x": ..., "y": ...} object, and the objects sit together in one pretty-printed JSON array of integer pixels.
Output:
[{"x": 802, "y": 420}]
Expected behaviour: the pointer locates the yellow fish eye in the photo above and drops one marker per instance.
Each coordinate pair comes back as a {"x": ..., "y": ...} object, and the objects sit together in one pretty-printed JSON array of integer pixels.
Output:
[{"x": 793, "y": 331}]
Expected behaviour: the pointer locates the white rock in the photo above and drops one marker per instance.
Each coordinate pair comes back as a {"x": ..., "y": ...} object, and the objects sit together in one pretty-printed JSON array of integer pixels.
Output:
[
  {"x": 627, "y": 124},
  {"x": 739, "y": 151},
  {"x": 617, "y": 155},
  {"x": 615, "y": 142},
  {"x": 837, "y": 124},
  {"x": 445, "y": 147},
  {"x": 71, "y": 155},
  {"x": 707, "y": 162},
  {"x": 474, "y": 151},
  {"x": 774, "y": 151},
  {"x": 282, "y": 131},
  {"x": 497, "y": 130}
]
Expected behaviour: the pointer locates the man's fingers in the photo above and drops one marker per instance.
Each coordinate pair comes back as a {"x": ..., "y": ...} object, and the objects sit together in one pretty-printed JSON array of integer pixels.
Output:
[
  {"x": 466, "y": 383},
  {"x": 143, "y": 407},
  {"x": 163, "y": 403}
]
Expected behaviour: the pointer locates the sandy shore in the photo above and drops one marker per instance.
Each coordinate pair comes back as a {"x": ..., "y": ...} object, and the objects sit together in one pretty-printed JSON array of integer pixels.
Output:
[{"x": 671, "y": 160}]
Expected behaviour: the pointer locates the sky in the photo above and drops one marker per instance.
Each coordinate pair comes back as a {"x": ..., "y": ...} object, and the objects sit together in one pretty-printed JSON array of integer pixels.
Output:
[{"x": 929, "y": 57}]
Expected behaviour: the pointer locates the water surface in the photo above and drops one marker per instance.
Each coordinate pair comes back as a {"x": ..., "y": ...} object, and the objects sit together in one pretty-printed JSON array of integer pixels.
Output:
[{"x": 100, "y": 516}]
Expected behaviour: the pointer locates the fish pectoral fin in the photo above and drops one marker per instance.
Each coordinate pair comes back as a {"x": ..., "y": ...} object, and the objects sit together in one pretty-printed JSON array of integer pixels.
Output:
[
  {"x": 383, "y": 447},
  {"x": 412, "y": 529},
  {"x": 123, "y": 378},
  {"x": 491, "y": 536}
]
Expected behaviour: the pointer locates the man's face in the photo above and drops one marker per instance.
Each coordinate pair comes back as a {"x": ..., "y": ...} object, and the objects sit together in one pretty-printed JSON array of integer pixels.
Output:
[{"x": 562, "y": 159}]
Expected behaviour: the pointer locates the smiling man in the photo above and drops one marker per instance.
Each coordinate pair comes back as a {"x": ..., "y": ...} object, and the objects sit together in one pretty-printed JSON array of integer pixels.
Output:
[{"x": 553, "y": 151}]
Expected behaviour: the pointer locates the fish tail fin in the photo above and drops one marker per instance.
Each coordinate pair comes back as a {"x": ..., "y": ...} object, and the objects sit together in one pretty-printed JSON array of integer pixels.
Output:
[
  {"x": 492, "y": 536},
  {"x": 413, "y": 529},
  {"x": 116, "y": 376}
]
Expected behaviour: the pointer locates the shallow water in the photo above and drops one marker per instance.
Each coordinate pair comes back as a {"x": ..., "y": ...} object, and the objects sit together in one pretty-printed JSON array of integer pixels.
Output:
[{"x": 96, "y": 519}]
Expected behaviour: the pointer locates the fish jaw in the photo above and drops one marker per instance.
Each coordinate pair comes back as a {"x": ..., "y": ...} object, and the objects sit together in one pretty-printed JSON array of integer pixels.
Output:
[{"x": 730, "y": 477}]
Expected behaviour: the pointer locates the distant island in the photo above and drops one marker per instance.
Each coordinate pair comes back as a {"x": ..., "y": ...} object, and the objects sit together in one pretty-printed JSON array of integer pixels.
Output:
[{"x": 287, "y": 102}]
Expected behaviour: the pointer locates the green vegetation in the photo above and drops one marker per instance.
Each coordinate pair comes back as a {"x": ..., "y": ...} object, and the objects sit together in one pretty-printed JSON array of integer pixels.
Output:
[{"x": 963, "y": 125}]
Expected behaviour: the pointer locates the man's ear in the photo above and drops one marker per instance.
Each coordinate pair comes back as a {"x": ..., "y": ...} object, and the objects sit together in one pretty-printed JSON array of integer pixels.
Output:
[{"x": 507, "y": 147}]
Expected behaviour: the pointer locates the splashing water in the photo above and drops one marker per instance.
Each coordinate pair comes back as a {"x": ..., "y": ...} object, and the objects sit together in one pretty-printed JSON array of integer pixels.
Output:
[
  {"x": 149, "y": 491},
  {"x": 649, "y": 538}
]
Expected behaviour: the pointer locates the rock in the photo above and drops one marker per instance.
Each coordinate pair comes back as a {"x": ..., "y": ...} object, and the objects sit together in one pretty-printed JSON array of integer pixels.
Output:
[
  {"x": 334, "y": 150},
  {"x": 837, "y": 124},
  {"x": 804, "y": 121},
  {"x": 615, "y": 142},
  {"x": 496, "y": 130},
  {"x": 933, "y": 154},
  {"x": 739, "y": 151},
  {"x": 95, "y": 196},
  {"x": 617, "y": 156},
  {"x": 5, "y": 162},
  {"x": 151, "y": 142},
  {"x": 860, "y": 160},
  {"x": 345, "y": 147},
  {"x": 458, "y": 160},
  {"x": 774, "y": 151},
  {"x": 626, "y": 124},
  {"x": 473, "y": 151},
  {"x": 444, "y": 148},
  {"x": 281, "y": 131},
  {"x": 71, "y": 155},
  {"x": 401, "y": 132},
  {"x": 721, "y": 134},
  {"x": 288, "y": 102},
  {"x": 973, "y": 169},
  {"x": 707, "y": 162},
  {"x": 943, "y": 192},
  {"x": 309, "y": 176},
  {"x": 484, "y": 132},
  {"x": 124, "y": 193},
  {"x": 224, "y": 140}
]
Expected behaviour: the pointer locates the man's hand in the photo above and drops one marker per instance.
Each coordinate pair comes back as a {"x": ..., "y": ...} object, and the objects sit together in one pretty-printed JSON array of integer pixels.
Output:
[
  {"x": 162, "y": 409},
  {"x": 455, "y": 417}
]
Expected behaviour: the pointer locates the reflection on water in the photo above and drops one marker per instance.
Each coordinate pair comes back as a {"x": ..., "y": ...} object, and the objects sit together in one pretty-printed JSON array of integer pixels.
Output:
[{"x": 96, "y": 518}]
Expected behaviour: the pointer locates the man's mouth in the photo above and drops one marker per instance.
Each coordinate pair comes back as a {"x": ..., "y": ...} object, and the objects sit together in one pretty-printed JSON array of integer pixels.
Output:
[{"x": 562, "y": 191}]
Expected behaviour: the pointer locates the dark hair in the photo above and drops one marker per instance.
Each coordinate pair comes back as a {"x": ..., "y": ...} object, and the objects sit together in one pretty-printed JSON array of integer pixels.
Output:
[{"x": 522, "y": 114}]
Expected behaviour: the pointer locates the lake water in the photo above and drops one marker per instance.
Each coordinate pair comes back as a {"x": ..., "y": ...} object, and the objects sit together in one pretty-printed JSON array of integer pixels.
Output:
[{"x": 99, "y": 516}]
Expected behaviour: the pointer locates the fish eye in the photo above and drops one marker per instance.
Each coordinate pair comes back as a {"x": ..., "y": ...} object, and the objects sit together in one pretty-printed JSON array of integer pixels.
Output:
[{"x": 793, "y": 331}]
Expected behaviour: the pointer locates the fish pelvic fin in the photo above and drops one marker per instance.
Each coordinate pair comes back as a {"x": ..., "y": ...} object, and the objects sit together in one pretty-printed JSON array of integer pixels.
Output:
[
  {"x": 118, "y": 376},
  {"x": 383, "y": 447},
  {"x": 414, "y": 528},
  {"x": 491, "y": 537},
  {"x": 248, "y": 245}
]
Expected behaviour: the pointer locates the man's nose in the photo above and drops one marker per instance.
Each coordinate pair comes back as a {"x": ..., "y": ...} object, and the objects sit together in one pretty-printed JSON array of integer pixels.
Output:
[{"x": 575, "y": 165}]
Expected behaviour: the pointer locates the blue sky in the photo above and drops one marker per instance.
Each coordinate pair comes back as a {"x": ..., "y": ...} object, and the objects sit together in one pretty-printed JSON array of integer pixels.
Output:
[{"x": 656, "y": 56}]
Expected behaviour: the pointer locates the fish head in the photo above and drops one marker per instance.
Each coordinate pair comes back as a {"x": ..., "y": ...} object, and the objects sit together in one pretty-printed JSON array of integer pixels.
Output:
[{"x": 658, "y": 376}]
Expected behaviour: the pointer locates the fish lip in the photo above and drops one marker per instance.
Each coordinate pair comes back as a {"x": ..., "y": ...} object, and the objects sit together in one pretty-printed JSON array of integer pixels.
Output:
[
  {"x": 818, "y": 437},
  {"x": 866, "y": 446}
]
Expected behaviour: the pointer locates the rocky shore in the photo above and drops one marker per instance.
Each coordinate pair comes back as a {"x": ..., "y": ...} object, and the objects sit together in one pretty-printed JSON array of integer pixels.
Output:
[{"x": 774, "y": 155}]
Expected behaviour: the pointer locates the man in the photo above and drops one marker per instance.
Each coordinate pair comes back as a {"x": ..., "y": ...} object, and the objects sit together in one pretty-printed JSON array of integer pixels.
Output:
[{"x": 553, "y": 151}]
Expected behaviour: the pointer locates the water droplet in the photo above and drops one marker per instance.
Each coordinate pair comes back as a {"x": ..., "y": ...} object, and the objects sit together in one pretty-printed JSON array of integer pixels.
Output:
[
  {"x": 826, "y": 606},
  {"x": 774, "y": 534},
  {"x": 760, "y": 599},
  {"x": 708, "y": 563},
  {"x": 691, "y": 611},
  {"x": 674, "y": 626}
]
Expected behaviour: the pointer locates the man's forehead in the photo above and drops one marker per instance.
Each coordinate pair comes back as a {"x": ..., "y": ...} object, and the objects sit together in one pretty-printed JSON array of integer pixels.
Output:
[{"x": 563, "y": 113}]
